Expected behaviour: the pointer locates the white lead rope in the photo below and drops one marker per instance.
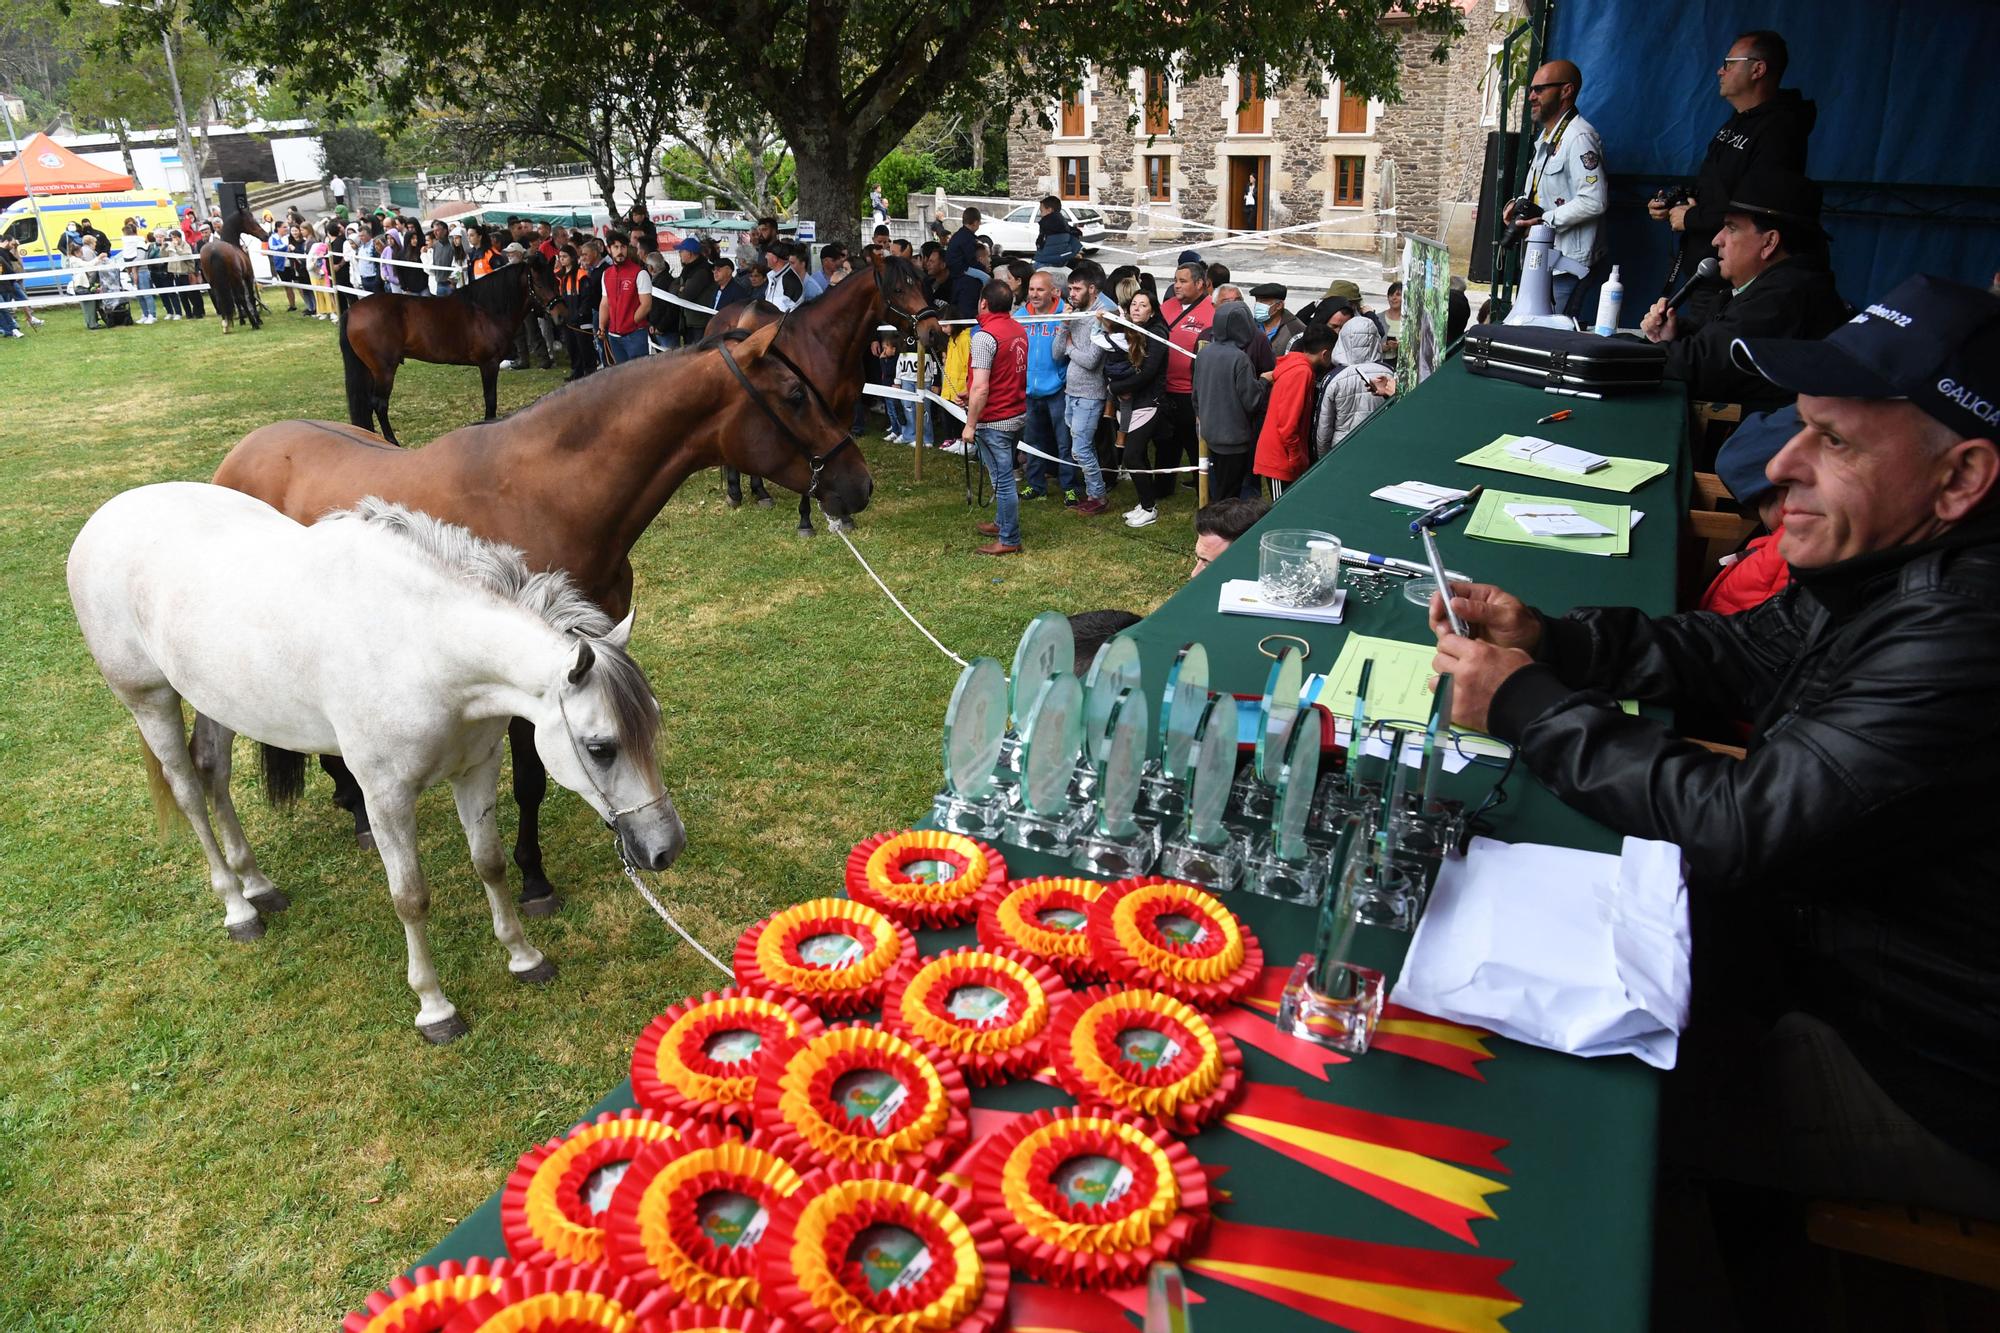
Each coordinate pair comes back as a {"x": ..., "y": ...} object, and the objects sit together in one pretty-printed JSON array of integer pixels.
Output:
[
  {"x": 667, "y": 916},
  {"x": 893, "y": 599}
]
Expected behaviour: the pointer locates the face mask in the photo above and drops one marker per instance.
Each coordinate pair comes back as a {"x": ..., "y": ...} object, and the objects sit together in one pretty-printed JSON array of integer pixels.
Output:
[{"x": 1260, "y": 310}]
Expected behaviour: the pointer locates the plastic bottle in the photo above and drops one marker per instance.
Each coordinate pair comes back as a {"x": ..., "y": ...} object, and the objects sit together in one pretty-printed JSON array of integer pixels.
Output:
[{"x": 1610, "y": 301}]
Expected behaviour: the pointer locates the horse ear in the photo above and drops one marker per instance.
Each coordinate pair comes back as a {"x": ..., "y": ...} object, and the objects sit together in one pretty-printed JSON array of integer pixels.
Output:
[
  {"x": 585, "y": 655},
  {"x": 621, "y": 633}
]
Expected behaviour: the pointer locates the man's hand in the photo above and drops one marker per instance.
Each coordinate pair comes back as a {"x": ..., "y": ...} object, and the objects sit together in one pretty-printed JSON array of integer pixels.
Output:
[
  {"x": 1477, "y": 671},
  {"x": 1382, "y": 386},
  {"x": 1498, "y": 617},
  {"x": 966, "y": 435},
  {"x": 1507, "y": 213},
  {"x": 1677, "y": 218},
  {"x": 1659, "y": 325},
  {"x": 1656, "y": 209}
]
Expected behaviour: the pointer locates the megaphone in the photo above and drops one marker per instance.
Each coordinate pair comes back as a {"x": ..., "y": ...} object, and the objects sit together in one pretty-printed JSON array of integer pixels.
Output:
[{"x": 1534, "y": 298}]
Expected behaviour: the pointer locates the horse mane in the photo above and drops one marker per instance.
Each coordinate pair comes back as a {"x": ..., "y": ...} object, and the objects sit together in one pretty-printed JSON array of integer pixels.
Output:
[
  {"x": 496, "y": 292},
  {"x": 551, "y": 595}
]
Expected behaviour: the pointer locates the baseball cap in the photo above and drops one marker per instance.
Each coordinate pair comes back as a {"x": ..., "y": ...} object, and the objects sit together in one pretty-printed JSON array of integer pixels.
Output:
[
  {"x": 1931, "y": 341},
  {"x": 1189, "y": 257},
  {"x": 1749, "y": 450},
  {"x": 689, "y": 246},
  {"x": 516, "y": 248},
  {"x": 1269, "y": 291}
]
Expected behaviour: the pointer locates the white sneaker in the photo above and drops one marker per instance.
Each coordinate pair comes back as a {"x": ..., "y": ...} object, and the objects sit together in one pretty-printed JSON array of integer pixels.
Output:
[
  {"x": 1135, "y": 511},
  {"x": 34, "y": 321},
  {"x": 957, "y": 449},
  {"x": 15, "y": 333},
  {"x": 1142, "y": 518},
  {"x": 506, "y": 365}
]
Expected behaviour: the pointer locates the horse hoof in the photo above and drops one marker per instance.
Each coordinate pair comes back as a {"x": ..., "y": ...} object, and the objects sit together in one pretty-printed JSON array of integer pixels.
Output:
[
  {"x": 840, "y": 524},
  {"x": 545, "y": 904},
  {"x": 270, "y": 902},
  {"x": 735, "y": 501},
  {"x": 807, "y": 530},
  {"x": 445, "y": 1030},
  {"x": 765, "y": 502},
  {"x": 244, "y": 932},
  {"x": 364, "y": 839},
  {"x": 541, "y": 974}
]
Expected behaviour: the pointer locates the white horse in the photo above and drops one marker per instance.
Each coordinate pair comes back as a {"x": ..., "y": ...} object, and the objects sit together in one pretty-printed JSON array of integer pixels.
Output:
[{"x": 402, "y": 644}]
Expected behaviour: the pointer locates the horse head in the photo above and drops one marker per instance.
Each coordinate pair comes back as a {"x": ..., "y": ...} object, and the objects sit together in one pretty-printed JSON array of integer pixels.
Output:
[
  {"x": 541, "y": 283},
  {"x": 240, "y": 223},
  {"x": 812, "y": 451},
  {"x": 598, "y": 736},
  {"x": 902, "y": 288}
]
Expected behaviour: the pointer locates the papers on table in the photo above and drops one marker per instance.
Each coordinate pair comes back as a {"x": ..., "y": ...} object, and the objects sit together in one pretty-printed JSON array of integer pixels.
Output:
[
  {"x": 1573, "y": 951},
  {"x": 1555, "y": 521},
  {"x": 1399, "y": 689},
  {"x": 1561, "y": 457},
  {"x": 1494, "y": 519},
  {"x": 1245, "y": 597},
  {"x": 1417, "y": 494},
  {"x": 1617, "y": 474}
]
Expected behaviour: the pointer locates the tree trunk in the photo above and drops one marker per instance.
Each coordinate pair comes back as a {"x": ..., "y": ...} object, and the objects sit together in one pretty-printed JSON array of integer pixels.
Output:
[
  {"x": 125, "y": 150},
  {"x": 829, "y": 183},
  {"x": 979, "y": 145}
]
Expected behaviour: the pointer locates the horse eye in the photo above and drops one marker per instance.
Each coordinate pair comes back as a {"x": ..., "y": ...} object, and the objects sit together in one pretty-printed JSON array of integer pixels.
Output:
[
  {"x": 796, "y": 393},
  {"x": 602, "y": 751}
]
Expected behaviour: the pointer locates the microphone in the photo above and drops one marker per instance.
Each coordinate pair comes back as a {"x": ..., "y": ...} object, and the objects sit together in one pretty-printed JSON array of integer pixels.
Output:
[{"x": 1708, "y": 268}]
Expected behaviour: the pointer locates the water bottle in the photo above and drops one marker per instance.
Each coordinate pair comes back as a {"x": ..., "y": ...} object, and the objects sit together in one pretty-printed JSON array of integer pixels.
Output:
[{"x": 1610, "y": 300}]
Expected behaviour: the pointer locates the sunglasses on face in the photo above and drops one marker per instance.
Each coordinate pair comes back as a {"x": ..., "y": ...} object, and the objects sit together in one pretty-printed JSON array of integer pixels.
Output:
[{"x": 1537, "y": 89}]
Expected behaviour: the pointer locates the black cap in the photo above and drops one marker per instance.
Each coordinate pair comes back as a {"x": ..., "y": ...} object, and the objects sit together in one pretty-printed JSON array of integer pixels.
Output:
[
  {"x": 1749, "y": 450},
  {"x": 1269, "y": 291},
  {"x": 1931, "y": 341},
  {"x": 1188, "y": 257}
]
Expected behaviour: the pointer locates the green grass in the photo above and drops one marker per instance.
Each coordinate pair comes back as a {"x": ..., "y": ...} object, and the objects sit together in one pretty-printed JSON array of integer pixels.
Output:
[{"x": 195, "y": 1133}]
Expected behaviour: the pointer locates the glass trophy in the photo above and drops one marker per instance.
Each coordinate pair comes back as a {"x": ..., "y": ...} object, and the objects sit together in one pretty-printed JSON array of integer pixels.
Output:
[
  {"x": 974, "y": 722},
  {"x": 1163, "y": 785},
  {"x": 1116, "y": 844},
  {"x": 1346, "y": 792},
  {"x": 1285, "y": 865},
  {"x": 1433, "y": 826},
  {"x": 1251, "y": 799},
  {"x": 1204, "y": 851},
  {"x": 1389, "y": 887},
  {"x": 1115, "y": 668},
  {"x": 1328, "y": 999},
  {"x": 1043, "y": 816},
  {"x": 1047, "y": 648}
]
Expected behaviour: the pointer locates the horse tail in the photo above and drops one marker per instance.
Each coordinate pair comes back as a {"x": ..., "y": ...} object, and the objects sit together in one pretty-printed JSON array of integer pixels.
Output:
[
  {"x": 284, "y": 774},
  {"x": 167, "y": 813},
  {"x": 360, "y": 384}
]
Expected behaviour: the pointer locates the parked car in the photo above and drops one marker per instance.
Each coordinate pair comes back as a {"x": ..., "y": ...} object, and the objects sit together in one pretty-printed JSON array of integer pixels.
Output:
[{"x": 1015, "y": 232}]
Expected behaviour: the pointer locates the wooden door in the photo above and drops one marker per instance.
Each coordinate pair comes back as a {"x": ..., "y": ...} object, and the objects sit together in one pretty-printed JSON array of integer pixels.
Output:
[{"x": 1249, "y": 178}]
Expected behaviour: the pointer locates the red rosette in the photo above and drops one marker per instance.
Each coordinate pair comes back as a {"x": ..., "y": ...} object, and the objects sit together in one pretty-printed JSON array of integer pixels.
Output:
[
  {"x": 1013, "y": 916},
  {"x": 1155, "y": 1201},
  {"x": 846, "y": 1256},
  {"x": 922, "y": 1114},
  {"x": 691, "y": 1214},
  {"x": 877, "y": 875},
  {"x": 426, "y": 1300},
  {"x": 564, "y": 1298},
  {"x": 543, "y": 1212},
  {"x": 841, "y": 983},
  {"x": 1216, "y": 962},
  {"x": 1176, "y": 1068},
  {"x": 709, "y": 1319},
  {"x": 1004, "y": 1045},
  {"x": 674, "y": 1072}
]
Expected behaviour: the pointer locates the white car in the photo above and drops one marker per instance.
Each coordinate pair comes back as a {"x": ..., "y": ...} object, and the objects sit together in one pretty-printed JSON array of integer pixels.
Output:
[{"x": 1015, "y": 232}]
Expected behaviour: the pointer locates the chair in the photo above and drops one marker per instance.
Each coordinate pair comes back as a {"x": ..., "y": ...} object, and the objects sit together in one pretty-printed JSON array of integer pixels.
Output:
[
  {"x": 1713, "y": 423},
  {"x": 1919, "y": 1241}
]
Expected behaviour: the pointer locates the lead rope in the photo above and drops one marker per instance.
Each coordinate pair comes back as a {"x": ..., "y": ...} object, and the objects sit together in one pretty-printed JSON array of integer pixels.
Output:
[
  {"x": 632, "y": 873},
  {"x": 893, "y": 601}
]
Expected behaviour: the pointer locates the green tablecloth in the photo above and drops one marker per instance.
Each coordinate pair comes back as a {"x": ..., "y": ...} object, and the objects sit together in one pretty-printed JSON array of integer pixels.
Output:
[{"x": 1576, "y": 1215}]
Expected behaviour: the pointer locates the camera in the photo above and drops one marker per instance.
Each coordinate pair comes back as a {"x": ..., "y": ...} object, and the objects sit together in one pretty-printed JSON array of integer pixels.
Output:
[
  {"x": 1524, "y": 212},
  {"x": 1673, "y": 196}
]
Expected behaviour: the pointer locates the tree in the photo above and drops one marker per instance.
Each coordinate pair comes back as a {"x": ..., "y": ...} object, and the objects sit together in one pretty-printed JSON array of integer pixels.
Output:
[
  {"x": 750, "y": 168},
  {"x": 845, "y": 80},
  {"x": 353, "y": 152}
]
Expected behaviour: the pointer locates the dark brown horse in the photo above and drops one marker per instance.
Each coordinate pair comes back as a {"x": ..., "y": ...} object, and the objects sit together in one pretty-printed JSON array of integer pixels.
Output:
[
  {"x": 575, "y": 478},
  {"x": 474, "y": 326},
  {"x": 232, "y": 283}
]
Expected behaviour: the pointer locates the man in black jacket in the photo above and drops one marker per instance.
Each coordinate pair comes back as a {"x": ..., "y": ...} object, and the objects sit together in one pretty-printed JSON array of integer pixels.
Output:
[
  {"x": 1848, "y": 859},
  {"x": 1769, "y": 129},
  {"x": 696, "y": 286},
  {"x": 1769, "y": 245}
]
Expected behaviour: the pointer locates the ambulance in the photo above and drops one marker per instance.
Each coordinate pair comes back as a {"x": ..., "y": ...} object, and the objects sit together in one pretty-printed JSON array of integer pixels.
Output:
[{"x": 40, "y": 237}]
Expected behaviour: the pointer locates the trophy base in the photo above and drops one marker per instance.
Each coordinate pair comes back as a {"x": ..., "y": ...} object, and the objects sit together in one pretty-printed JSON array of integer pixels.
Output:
[
  {"x": 1007, "y": 771},
  {"x": 1394, "y": 898},
  {"x": 1083, "y": 783},
  {"x": 1053, "y": 834},
  {"x": 1301, "y": 882},
  {"x": 981, "y": 818},
  {"x": 1251, "y": 801},
  {"x": 1345, "y": 1024},
  {"x": 1217, "y": 868},
  {"x": 1161, "y": 799},
  {"x": 1117, "y": 858}
]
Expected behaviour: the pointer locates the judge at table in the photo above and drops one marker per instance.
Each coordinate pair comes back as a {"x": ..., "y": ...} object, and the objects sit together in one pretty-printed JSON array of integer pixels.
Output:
[{"x": 1843, "y": 874}]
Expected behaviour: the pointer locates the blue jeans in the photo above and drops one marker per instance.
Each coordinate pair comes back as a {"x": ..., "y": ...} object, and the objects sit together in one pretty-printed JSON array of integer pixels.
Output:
[
  {"x": 900, "y": 424},
  {"x": 142, "y": 278},
  {"x": 1082, "y": 416},
  {"x": 1047, "y": 432},
  {"x": 996, "y": 453},
  {"x": 931, "y": 411},
  {"x": 626, "y": 346}
]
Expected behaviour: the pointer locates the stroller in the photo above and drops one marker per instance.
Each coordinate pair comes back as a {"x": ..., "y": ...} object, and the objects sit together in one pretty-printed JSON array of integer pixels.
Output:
[{"x": 115, "y": 309}]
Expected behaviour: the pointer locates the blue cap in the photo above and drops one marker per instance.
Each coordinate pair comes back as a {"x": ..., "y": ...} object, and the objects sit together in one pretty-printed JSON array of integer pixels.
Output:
[
  {"x": 1188, "y": 257},
  {"x": 689, "y": 246},
  {"x": 1747, "y": 452},
  {"x": 1931, "y": 341}
]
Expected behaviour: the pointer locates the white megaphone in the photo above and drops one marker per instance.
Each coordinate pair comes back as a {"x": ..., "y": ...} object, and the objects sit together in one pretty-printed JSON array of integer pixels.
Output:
[{"x": 1534, "y": 298}]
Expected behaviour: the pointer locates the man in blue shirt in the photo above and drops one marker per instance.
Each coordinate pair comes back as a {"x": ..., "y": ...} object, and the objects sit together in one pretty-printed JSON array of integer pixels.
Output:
[{"x": 1046, "y": 429}]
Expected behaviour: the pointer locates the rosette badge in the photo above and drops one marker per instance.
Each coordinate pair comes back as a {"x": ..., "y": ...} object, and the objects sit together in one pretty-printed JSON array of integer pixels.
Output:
[
  {"x": 553, "y": 1204},
  {"x": 1147, "y": 1054},
  {"x": 988, "y": 1009},
  {"x": 572, "y": 1298},
  {"x": 836, "y": 955},
  {"x": 860, "y": 1096},
  {"x": 699, "y": 1058},
  {"x": 1174, "y": 938},
  {"x": 1047, "y": 918},
  {"x": 426, "y": 1300},
  {"x": 924, "y": 878}
]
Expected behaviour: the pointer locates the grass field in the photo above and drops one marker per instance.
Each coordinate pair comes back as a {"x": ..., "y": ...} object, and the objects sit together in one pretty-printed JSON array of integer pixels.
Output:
[{"x": 195, "y": 1133}]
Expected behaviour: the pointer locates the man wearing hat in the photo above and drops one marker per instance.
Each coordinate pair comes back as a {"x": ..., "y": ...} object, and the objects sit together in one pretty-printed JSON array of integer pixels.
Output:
[
  {"x": 695, "y": 285},
  {"x": 1752, "y": 576},
  {"x": 1267, "y": 303},
  {"x": 1846, "y": 1031},
  {"x": 1769, "y": 248}
]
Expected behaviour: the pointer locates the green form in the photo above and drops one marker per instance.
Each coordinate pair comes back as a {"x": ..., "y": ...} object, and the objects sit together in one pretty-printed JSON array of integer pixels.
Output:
[
  {"x": 1491, "y": 522},
  {"x": 1620, "y": 474}
]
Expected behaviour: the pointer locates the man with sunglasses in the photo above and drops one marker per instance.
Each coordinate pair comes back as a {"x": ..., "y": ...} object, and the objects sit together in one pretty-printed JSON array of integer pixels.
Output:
[
  {"x": 1568, "y": 183},
  {"x": 1768, "y": 132}
]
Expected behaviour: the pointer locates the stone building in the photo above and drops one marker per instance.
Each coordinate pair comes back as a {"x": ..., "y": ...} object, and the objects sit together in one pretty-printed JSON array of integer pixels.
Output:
[{"x": 1232, "y": 151}]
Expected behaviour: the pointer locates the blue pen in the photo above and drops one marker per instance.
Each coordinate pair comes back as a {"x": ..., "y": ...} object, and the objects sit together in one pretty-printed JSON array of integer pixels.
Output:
[{"x": 1437, "y": 518}]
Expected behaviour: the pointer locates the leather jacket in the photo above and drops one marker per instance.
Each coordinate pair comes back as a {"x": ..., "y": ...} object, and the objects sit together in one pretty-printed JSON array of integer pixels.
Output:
[{"x": 1851, "y": 850}]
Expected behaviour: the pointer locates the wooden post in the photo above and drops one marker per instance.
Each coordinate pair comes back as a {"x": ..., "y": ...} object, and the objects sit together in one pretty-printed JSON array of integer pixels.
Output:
[
  {"x": 917, "y": 464},
  {"x": 1201, "y": 478}
]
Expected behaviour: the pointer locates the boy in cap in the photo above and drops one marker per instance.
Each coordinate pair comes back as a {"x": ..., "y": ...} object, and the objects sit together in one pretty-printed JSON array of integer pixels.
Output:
[{"x": 1752, "y": 576}]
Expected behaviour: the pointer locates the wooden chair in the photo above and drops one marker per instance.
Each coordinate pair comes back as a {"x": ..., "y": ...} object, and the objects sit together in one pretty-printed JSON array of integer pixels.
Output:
[
  {"x": 1712, "y": 424},
  {"x": 1920, "y": 1242}
]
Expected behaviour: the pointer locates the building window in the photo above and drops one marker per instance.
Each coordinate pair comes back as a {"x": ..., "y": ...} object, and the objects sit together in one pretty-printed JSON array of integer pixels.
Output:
[
  {"x": 1072, "y": 117},
  {"x": 1157, "y": 121},
  {"x": 1075, "y": 177},
  {"x": 1353, "y": 113},
  {"x": 1489, "y": 88},
  {"x": 1160, "y": 179},
  {"x": 1250, "y": 110},
  {"x": 1349, "y": 173}
]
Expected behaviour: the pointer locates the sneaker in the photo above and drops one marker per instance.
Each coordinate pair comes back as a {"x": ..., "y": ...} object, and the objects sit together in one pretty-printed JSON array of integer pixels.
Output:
[
  {"x": 1140, "y": 518},
  {"x": 1134, "y": 511},
  {"x": 957, "y": 449},
  {"x": 1092, "y": 507},
  {"x": 1033, "y": 495},
  {"x": 34, "y": 321},
  {"x": 506, "y": 365},
  {"x": 15, "y": 333},
  {"x": 1071, "y": 499}
]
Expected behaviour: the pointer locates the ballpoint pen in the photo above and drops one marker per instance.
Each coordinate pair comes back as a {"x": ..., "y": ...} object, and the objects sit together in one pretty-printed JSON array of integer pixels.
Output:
[
  {"x": 1563, "y": 415},
  {"x": 1447, "y": 511},
  {"x": 1388, "y": 564}
]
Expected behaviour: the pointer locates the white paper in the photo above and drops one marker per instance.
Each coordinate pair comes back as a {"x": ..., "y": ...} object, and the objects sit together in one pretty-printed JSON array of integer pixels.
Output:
[
  {"x": 1547, "y": 453},
  {"x": 1418, "y": 494},
  {"x": 1245, "y": 597},
  {"x": 1555, "y": 521},
  {"x": 1573, "y": 951},
  {"x": 1456, "y": 760}
]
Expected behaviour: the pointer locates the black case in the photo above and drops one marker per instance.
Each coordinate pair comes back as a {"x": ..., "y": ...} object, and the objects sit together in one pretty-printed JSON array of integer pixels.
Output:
[{"x": 1547, "y": 358}]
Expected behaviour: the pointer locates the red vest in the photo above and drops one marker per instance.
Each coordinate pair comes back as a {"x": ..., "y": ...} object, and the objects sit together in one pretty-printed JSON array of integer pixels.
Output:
[
  {"x": 621, "y": 298},
  {"x": 1007, "y": 382}
]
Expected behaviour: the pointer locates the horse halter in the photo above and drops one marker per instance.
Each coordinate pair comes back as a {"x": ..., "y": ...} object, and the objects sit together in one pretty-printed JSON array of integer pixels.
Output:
[
  {"x": 583, "y": 762},
  {"x": 817, "y": 462}
]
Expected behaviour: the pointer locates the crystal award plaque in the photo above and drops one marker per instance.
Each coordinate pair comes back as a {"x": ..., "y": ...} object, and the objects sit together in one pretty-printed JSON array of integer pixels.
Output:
[
  {"x": 1250, "y": 801},
  {"x": 974, "y": 721},
  {"x": 1285, "y": 865},
  {"x": 1117, "y": 845},
  {"x": 1204, "y": 851},
  {"x": 1047, "y": 648},
  {"x": 1043, "y": 816},
  {"x": 1328, "y": 999},
  {"x": 1115, "y": 668},
  {"x": 1163, "y": 785}
]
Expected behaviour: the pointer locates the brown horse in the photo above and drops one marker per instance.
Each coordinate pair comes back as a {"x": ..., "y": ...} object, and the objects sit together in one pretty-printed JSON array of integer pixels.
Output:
[
  {"x": 575, "y": 478},
  {"x": 474, "y": 326},
  {"x": 232, "y": 283}
]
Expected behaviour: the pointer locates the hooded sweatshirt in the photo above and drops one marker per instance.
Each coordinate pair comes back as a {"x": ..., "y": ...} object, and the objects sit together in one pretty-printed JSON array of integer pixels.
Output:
[
  {"x": 1227, "y": 393},
  {"x": 1282, "y": 450},
  {"x": 1771, "y": 134},
  {"x": 1359, "y": 341}
]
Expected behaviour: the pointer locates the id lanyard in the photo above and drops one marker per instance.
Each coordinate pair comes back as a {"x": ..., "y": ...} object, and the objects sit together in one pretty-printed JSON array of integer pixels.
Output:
[{"x": 1548, "y": 155}]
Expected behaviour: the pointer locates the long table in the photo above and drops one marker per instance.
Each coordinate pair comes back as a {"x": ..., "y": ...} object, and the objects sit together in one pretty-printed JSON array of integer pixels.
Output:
[{"x": 1575, "y": 1217}]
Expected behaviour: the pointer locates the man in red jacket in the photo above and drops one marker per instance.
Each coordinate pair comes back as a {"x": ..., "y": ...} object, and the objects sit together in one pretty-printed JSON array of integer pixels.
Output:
[
  {"x": 1757, "y": 573},
  {"x": 1284, "y": 449},
  {"x": 996, "y": 409}
]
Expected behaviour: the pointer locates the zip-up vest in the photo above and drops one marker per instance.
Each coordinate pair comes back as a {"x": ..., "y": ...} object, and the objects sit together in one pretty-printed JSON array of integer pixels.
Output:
[{"x": 1007, "y": 382}]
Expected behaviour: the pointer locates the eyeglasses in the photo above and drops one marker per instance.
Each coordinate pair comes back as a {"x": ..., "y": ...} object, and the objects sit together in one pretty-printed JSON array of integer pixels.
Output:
[
  {"x": 1537, "y": 88},
  {"x": 1740, "y": 60}
]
